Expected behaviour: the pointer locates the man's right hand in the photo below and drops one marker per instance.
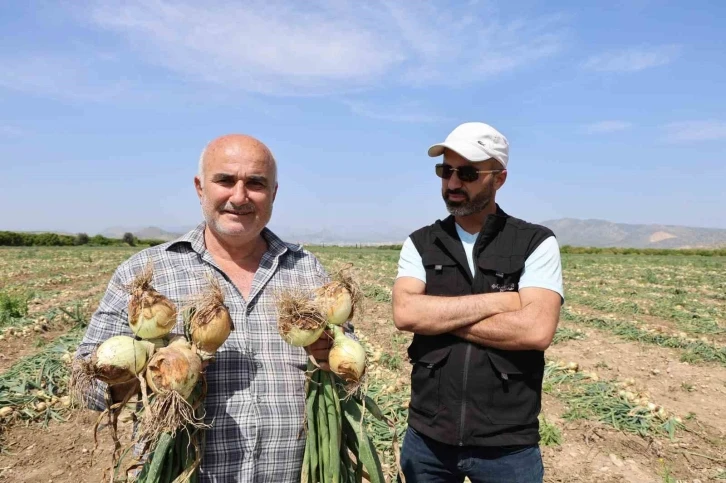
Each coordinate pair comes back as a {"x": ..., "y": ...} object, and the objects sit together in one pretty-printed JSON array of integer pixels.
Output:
[{"x": 120, "y": 391}]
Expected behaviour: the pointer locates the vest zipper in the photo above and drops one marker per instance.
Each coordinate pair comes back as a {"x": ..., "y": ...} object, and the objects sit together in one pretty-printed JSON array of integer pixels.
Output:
[{"x": 463, "y": 395}]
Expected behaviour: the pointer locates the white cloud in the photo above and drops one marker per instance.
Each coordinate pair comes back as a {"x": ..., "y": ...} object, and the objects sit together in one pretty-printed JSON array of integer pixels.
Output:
[
  {"x": 633, "y": 59},
  {"x": 59, "y": 76},
  {"x": 689, "y": 131},
  {"x": 328, "y": 46},
  {"x": 409, "y": 112},
  {"x": 607, "y": 127}
]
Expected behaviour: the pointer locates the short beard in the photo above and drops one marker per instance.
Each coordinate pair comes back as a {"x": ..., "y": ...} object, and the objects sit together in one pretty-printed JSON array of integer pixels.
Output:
[{"x": 468, "y": 206}]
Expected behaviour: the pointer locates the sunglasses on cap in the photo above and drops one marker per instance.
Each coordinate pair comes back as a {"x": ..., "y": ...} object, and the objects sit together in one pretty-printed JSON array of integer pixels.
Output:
[{"x": 466, "y": 173}]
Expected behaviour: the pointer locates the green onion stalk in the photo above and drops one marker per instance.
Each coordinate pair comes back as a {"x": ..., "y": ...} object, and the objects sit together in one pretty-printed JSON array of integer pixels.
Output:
[{"x": 337, "y": 448}]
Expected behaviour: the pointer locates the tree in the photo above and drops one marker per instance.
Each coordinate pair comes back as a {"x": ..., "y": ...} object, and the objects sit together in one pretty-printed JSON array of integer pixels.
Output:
[
  {"x": 100, "y": 240},
  {"x": 130, "y": 239},
  {"x": 82, "y": 239}
]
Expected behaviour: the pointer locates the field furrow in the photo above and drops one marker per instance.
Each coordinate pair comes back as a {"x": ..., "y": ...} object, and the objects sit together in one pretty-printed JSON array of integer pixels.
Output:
[{"x": 635, "y": 389}]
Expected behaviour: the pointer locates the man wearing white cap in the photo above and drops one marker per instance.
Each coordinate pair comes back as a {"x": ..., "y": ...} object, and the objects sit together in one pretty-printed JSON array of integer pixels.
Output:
[{"x": 481, "y": 292}]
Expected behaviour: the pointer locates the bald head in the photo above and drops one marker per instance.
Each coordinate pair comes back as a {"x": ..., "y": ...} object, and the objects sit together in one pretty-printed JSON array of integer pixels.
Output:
[{"x": 236, "y": 146}]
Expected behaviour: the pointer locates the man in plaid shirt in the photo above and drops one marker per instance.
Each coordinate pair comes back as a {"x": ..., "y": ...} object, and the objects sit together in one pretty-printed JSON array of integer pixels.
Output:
[{"x": 255, "y": 401}]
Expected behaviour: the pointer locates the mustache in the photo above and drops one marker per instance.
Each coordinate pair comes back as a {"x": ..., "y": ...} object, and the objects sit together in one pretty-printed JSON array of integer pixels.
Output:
[
  {"x": 461, "y": 192},
  {"x": 244, "y": 209}
]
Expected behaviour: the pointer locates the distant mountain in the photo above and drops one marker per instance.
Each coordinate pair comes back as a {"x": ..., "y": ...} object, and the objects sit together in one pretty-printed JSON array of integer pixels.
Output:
[
  {"x": 569, "y": 231},
  {"x": 341, "y": 237},
  {"x": 601, "y": 233}
]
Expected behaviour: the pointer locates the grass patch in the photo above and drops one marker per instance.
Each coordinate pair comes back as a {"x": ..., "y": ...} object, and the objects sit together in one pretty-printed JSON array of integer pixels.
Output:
[
  {"x": 564, "y": 334},
  {"x": 377, "y": 293},
  {"x": 13, "y": 307},
  {"x": 600, "y": 401},
  {"x": 694, "y": 351},
  {"x": 386, "y": 437},
  {"x": 549, "y": 433},
  {"x": 392, "y": 361},
  {"x": 40, "y": 378}
]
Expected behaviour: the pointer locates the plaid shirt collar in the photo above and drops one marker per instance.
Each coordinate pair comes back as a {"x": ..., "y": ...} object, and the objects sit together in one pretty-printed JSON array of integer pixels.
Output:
[{"x": 195, "y": 238}]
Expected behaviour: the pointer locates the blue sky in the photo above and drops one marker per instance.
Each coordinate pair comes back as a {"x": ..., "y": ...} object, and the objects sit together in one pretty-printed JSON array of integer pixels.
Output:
[{"x": 613, "y": 110}]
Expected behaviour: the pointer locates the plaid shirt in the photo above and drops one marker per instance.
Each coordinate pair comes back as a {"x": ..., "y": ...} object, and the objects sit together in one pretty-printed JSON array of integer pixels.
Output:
[{"x": 256, "y": 397}]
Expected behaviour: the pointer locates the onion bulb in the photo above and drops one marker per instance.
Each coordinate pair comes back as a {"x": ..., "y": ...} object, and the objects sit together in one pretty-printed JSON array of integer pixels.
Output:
[
  {"x": 339, "y": 299},
  {"x": 151, "y": 314},
  {"x": 210, "y": 323},
  {"x": 347, "y": 357},
  {"x": 172, "y": 374},
  {"x": 300, "y": 322},
  {"x": 117, "y": 360},
  {"x": 174, "y": 368}
]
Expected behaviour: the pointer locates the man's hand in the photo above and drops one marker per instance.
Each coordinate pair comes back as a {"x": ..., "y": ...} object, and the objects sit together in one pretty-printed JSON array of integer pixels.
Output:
[
  {"x": 120, "y": 391},
  {"x": 320, "y": 350}
]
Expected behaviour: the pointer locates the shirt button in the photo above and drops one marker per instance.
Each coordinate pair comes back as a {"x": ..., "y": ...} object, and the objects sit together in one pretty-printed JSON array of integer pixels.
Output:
[{"x": 258, "y": 364}]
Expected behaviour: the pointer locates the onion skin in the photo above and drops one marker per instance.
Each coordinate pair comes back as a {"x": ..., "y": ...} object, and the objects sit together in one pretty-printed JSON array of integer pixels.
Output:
[
  {"x": 209, "y": 335},
  {"x": 347, "y": 357},
  {"x": 300, "y": 321},
  {"x": 174, "y": 368},
  {"x": 120, "y": 358},
  {"x": 151, "y": 315},
  {"x": 301, "y": 337},
  {"x": 336, "y": 303}
]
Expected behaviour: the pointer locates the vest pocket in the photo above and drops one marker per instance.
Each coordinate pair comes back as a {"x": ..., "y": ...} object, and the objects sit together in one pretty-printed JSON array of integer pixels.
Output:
[
  {"x": 443, "y": 275},
  {"x": 425, "y": 381},
  {"x": 500, "y": 274},
  {"x": 514, "y": 395}
]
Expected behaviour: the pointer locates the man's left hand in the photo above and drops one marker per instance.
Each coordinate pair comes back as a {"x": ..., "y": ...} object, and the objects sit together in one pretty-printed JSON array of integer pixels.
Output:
[{"x": 320, "y": 350}]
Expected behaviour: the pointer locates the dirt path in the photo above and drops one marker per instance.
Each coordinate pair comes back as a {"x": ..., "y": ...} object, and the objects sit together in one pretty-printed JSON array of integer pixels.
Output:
[{"x": 61, "y": 453}]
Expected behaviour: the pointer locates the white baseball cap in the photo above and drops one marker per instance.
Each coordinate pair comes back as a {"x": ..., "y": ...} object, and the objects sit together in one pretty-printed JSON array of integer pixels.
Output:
[{"x": 475, "y": 141}]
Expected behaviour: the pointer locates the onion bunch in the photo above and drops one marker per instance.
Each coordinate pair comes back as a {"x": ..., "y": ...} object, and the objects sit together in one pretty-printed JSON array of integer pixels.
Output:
[
  {"x": 168, "y": 370},
  {"x": 337, "y": 448}
]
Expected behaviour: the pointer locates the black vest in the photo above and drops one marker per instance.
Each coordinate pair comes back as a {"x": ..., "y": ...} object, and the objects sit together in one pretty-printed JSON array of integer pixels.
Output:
[{"x": 463, "y": 393}]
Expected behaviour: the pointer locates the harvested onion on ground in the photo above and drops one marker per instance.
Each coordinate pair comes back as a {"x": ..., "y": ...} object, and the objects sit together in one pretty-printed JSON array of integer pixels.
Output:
[{"x": 151, "y": 314}]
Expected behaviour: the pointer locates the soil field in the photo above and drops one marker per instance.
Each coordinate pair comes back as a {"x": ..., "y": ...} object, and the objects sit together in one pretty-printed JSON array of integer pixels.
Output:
[{"x": 635, "y": 386}]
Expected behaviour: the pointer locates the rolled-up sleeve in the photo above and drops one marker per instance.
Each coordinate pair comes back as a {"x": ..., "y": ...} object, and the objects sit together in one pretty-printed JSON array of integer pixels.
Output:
[
  {"x": 109, "y": 319},
  {"x": 410, "y": 263}
]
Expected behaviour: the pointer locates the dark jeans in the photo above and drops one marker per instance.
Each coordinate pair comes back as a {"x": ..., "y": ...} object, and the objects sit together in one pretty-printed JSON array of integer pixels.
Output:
[{"x": 427, "y": 461}]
